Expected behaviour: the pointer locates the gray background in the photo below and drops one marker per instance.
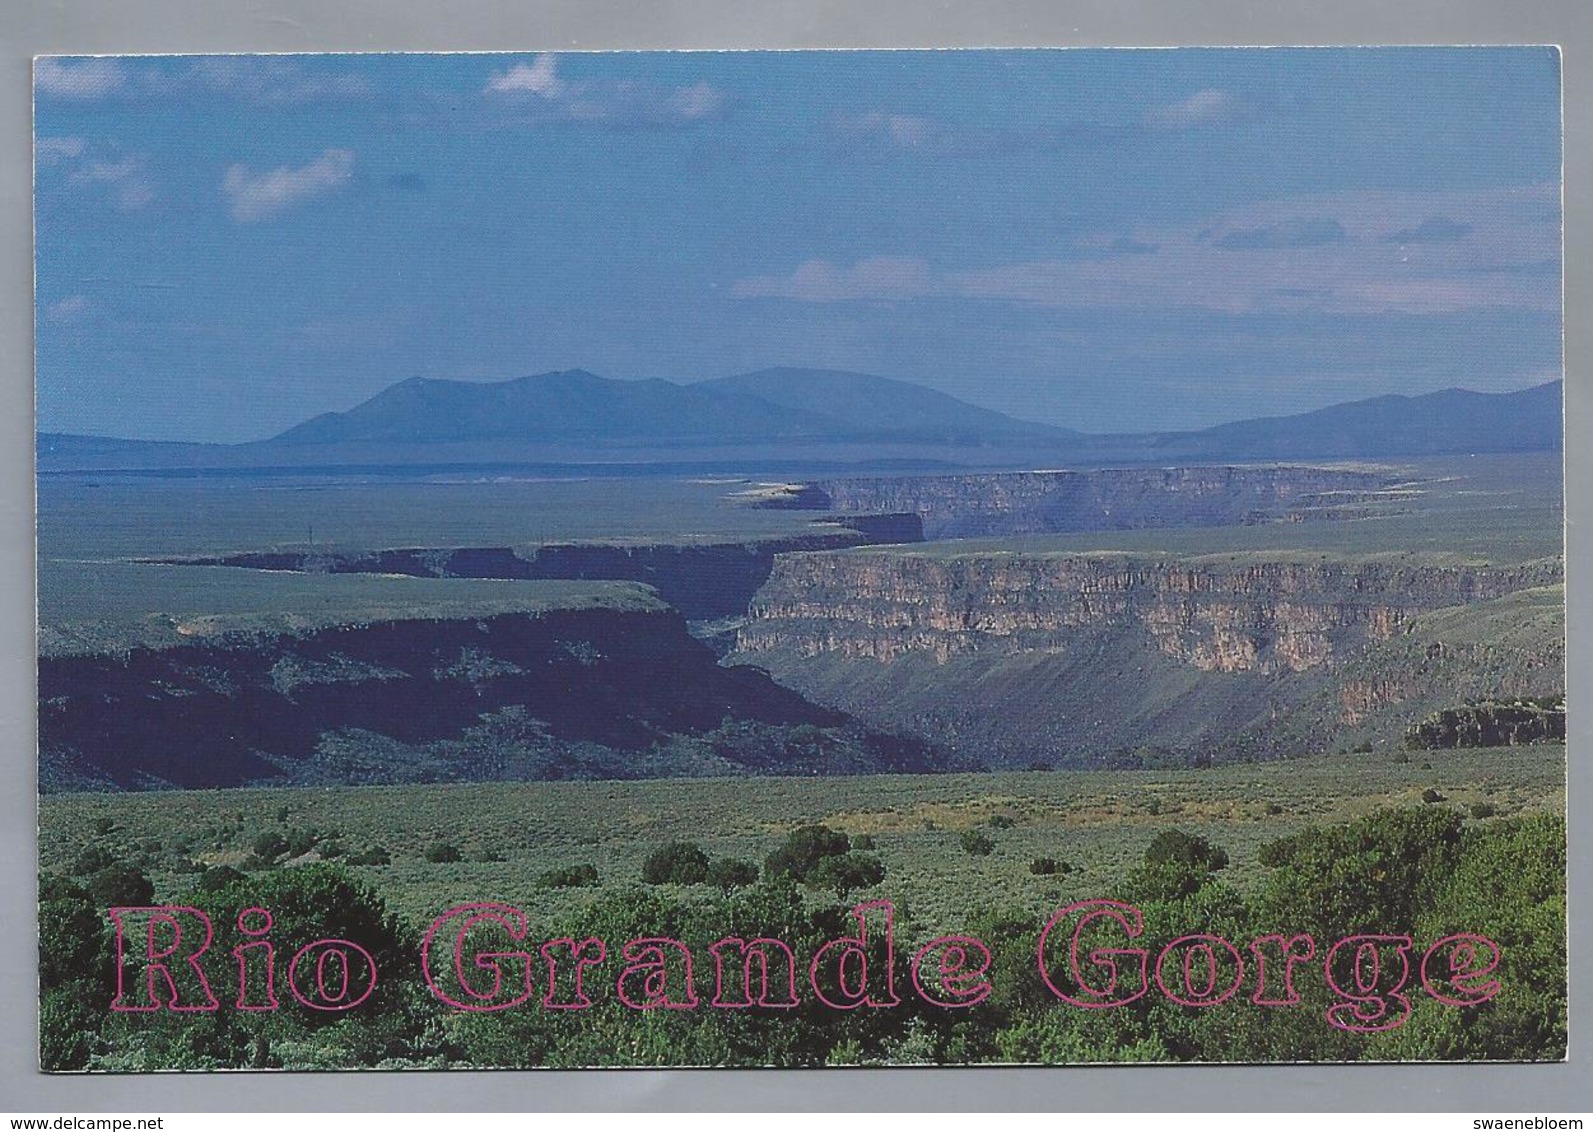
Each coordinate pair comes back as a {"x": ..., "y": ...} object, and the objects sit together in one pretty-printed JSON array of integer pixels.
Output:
[{"x": 29, "y": 27}]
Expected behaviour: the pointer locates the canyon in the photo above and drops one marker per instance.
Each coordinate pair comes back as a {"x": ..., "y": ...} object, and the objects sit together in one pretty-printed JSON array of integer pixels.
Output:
[
  {"x": 578, "y": 691},
  {"x": 704, "y": 580},
  {"x": 930, "y": 622},
  {"x": 1077, "y": 659},
  {"x": 975, "y": 505}
]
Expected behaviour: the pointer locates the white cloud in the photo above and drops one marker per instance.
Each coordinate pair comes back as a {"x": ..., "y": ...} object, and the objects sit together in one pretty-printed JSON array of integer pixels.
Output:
[
  {"x": 893, "y": 132},
  {"x": 122, "y": 178},
  {"x": 699, "y": 100},
  {"x": 86, "y": 79},
  {"x": 255, "y": 196},
  {"x": 68, "y": 309},
  {"x": 1508, "y": 258},
  {"x": 266, "y": 81},
  {"x": 54, "y": 151},
  {"x": 882, "y": 278},
  {"x": 898, "y": 131},
  {"x": 1203, "y": 108},
  {"x": 261, "y": 80},
  {"x": 537, "y": 77},
  {"x": 125, "y": 178},
  {"x": 537, "y": 89}
]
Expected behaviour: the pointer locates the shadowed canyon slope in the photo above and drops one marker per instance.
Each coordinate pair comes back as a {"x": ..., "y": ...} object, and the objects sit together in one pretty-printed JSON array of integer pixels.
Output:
[{"x": 616, "y": 689}]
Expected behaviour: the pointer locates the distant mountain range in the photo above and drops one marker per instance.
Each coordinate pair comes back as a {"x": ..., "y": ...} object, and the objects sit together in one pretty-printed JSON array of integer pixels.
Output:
[
  {"x": 577, "y": 417},
  {"x": 771, "y": 405},
  {"x": 1451, "y": 420}
]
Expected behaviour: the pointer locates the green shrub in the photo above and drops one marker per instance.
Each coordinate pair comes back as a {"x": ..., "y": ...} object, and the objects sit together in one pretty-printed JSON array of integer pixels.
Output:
[
  {"x": 802, "y": 850},
  {"x": 68, "y": 1028},
  {"x": 1176, "y": 865},
  {"x": 1369, "y": 875},
  {"x": 300, "y": 842},
  {"x": 846, "y": 873},
  {"x": 269, "y": 845},
  {"x": 570, "y": 876},
  {"x": 727, "y": 873},
  {"x": 679, "y": 862},
  {"x": 1480, "y": 810},
  {"x": 370, "y": 855},
  {"x": 443, "y": 853},
  {"x": 92, "y": 859},
  {"x": 1174, "y": 846},
  {"x": 218, "y": 877},
  {"x": 120, "y": 886},
  {"x": 72, "y": 935},
  {"x": 976, "y": 844}
]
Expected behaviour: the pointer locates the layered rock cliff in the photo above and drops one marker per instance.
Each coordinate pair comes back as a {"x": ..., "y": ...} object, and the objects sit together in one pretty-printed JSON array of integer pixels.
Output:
[
  {"x": 605, "y": 692},
  {"x": 1226, "y": 614},
  {"x": 1489, "y": 725},
  {"x": 1049, "y": 656},
  {"x": 704, "y": 580},
  {"x": 1046, "y": 502}
]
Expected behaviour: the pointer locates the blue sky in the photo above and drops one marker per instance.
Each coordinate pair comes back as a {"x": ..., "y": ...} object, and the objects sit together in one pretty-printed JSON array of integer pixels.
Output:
[{"x": 1108, "y": 240}]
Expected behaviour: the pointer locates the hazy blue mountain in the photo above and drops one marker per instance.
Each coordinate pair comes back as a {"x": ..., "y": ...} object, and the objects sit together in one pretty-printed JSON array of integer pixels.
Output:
[
  {"x": 771, "y": 405},
  {"x": 775, "y": 415},
  {"x": 568, "y": 405},
  {"x": 1451, "y": 420},
  {"x": 867, "y": 406}
]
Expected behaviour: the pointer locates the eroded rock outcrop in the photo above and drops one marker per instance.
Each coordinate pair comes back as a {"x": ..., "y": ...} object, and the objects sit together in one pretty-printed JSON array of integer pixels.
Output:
[
  {"x": 1216, "y": 614},
  {"x": 1046, "y": 502},
  {"x": 704, "y": 580},
  {"x": 1077, "y": 659},
  {"x": 607, "y": 693},
  {"x": 1489, "y": 725}
]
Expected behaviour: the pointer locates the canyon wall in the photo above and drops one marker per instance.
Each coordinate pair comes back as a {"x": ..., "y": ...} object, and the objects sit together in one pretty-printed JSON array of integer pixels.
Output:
[
  {"x": 1061, "y": 657},
  {"x": 705, "y": 581},
  {"x": 1217, "y": 614},
  {"x": 257, "y": 706},
  {"x": 1046, "y": 502}
]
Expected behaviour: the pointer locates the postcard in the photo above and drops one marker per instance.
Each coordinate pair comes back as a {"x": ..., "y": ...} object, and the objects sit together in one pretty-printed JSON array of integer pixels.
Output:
[{"x": 800, "y": 559}]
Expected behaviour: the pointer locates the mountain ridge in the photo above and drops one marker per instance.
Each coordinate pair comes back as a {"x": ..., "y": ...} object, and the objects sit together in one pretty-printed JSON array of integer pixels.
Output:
[
  {"x": 782, "y": 412},
  {"x": 578, "y": 405},
  {"x": 1447, "y": 420}
]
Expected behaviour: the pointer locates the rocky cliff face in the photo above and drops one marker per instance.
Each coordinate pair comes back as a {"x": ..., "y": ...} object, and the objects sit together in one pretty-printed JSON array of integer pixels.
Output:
[
  {"x": 1215, "y": 615},
  {"x": 240, "y": 708},
  {"x": 1061, "y": 657},
  {"x": 1012, "y": 503},
  {"x": 1489, "y": 725},
  {"x": 705, "y": 581}
]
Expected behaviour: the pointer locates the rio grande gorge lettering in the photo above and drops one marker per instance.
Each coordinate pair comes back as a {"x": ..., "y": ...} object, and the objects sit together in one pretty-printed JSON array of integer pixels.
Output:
[{"x": 480, "y": 958}]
